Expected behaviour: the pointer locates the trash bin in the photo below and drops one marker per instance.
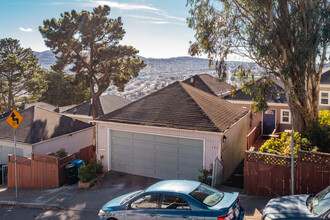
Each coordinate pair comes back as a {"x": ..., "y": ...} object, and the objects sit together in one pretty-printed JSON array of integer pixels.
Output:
[
  {"x": 79, "y": 163},
  {"x": 71, "y": 174}
]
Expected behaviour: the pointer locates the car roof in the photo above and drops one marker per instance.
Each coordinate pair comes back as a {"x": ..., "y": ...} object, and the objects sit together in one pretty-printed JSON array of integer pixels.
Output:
[{"x": 180, "y": 186}]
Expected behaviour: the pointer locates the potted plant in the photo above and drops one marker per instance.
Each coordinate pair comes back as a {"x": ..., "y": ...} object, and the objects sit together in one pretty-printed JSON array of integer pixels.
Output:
[{"x": 88, "y": 174}]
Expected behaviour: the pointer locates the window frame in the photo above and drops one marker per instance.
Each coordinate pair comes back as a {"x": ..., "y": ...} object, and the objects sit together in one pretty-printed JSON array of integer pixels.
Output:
[
  {"x": 176, "y": 195},
  {"x": 320, "y": 100},
  {"x": 285, "y": 122},
  {"x": 129, "y": 206}
]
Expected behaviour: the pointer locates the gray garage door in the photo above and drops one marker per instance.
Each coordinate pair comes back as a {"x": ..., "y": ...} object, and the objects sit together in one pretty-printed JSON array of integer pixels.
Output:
[
  {"x": 156, "y": 156},
  {"x": 4, "y": 151}
]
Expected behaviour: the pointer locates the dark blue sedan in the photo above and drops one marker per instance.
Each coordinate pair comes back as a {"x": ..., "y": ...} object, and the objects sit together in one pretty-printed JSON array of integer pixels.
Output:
[{"x": 175, "y": 199}]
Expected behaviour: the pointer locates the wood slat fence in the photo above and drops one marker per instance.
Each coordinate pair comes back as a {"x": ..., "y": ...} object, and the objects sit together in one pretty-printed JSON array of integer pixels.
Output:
[
  {"x": 43, "y": 171},
  {"x": 270, "y": 175},
  {"x": 253, "y": 136}
]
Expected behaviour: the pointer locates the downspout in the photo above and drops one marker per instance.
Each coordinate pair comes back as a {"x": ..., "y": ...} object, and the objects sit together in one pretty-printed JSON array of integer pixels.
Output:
[{"x": 96, "y": 143}]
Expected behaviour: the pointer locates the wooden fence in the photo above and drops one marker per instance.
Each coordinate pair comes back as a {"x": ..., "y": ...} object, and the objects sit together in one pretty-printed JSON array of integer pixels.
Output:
[
  {"x": 43, "y": 171},
  {"x": 270, "y": 175},
  {"x": 253, "y": 136}
]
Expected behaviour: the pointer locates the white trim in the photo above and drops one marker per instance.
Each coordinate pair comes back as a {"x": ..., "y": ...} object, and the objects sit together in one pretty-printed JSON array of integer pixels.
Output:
[
  {"x": 156, "y": 127},
  {"x": 251, "y": 102},
  {"x": 61, "y": 136},
  {"x": 324, "y": 85},
  {"x": 281, "y": 117},
  {"x": 204, "y": 155},
  {"x": 321, "y": 98},
  {"x": 109, "y": 148}
]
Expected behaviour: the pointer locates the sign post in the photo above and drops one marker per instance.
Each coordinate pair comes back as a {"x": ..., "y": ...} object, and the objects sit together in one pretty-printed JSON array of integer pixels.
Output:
[{"x": 14, "y": 120}]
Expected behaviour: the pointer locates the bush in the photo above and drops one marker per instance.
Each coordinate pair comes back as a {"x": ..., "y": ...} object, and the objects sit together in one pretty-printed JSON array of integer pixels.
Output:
[
  {"x": 282, "y": 145},
  {"x": 319, "y": 132},
  {"x": 206, "y": 176},
  {"x": 90, "y": 171},
  {"x": 60, "y": 153}
]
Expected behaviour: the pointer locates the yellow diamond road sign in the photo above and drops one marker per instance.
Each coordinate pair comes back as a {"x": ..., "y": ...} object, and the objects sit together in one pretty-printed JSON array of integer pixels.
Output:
[{"x": 14, "y": 119}]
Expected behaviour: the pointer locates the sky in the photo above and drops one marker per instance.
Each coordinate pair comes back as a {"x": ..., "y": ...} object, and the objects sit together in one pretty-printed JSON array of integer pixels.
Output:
[{"x": 157, "y": 28}]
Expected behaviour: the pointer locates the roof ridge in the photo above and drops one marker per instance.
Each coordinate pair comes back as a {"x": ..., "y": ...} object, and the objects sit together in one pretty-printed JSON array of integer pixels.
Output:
[
  {"x": 206, "y": 83},
  {"x": 199, "y": 107}
]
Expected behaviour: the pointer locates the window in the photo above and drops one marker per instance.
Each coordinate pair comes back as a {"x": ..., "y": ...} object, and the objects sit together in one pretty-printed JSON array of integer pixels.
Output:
[
  {"x": 174, "y": 202},
  {"x": 207, "y": 195},
  {"x": 324, "y": 98},
  {"x": 285, "y": 116},
  {"x": 145, "y": 202}
]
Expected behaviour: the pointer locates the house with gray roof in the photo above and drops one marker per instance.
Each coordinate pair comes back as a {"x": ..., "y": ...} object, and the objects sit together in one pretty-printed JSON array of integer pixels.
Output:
[
  {"x": 324, "y": 102},
  {"x": 172, "y": 133},
  {"x": 43, "y": 131},
  {"x": 106, "y": 104}
]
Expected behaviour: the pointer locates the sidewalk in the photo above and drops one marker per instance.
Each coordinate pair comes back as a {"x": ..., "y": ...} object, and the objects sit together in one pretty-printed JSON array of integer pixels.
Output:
[{"x": 69, "y": 197}]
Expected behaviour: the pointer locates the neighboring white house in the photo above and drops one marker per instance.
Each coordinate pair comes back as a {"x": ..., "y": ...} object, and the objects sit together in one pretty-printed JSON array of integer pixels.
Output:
[
  {"x": 324, "y": 102},
  {"x": 43, "y": 131},
  {"x": 172, "y": 133}
]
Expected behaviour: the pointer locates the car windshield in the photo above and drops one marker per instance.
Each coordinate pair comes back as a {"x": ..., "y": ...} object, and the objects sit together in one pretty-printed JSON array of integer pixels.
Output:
[
  {"x": 131, "y": 196},
  {"x": 321, "y": 201},
  {"x": 207, "y": 195}
]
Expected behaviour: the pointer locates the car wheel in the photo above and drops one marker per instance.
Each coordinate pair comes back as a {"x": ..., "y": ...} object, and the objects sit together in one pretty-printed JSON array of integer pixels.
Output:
[{"x": 111, "y": 219}]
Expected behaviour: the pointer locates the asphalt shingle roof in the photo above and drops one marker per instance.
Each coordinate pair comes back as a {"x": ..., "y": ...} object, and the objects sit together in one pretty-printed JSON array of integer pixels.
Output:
[
  {"x": 106, "y": 104},
  {"x": 275, "y": 95},
  {"x": 325, "y": 77},
  {"x": 208, "y": 84},
  {"x": 39, "y": 124},
  {"x": 181, "y": 106}
]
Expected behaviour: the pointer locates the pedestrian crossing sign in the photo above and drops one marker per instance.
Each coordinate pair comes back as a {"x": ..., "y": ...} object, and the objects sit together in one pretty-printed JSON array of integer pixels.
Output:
[{"x": 14, "y": 119}]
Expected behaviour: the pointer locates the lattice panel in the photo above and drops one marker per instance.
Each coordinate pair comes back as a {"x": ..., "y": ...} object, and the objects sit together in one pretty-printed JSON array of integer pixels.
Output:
[
  {"x": 20, "y": 160},
  {"x": 67, "y": 159},
  {"x": 264, "y": 158},
  {"x": 45, "y": 158},
  {"x": 313, "y": 157}
]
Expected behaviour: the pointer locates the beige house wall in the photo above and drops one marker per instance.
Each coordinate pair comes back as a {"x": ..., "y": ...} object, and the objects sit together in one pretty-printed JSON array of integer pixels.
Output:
[
  {"x": 71, "y": 142},
  {"x": 234, "y": 146},
  {"x": 212, "y": 140}
]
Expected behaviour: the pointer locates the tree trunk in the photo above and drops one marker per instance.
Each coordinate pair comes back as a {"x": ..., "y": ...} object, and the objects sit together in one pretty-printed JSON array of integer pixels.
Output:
[{"x": 94, "y": 106}]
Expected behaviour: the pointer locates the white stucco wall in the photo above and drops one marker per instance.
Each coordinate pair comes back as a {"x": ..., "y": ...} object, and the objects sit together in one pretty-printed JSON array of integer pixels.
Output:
[
  {"x": 27, "y": 148},
  {"x": 71, "y": 142},
  {"x": 212, "y": 140}
]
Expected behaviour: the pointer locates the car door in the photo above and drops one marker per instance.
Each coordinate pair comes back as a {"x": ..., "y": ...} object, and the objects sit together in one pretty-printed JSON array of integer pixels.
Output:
[
  {"x": 143, "y": 208},
  {"x": 173, "y": 206}
]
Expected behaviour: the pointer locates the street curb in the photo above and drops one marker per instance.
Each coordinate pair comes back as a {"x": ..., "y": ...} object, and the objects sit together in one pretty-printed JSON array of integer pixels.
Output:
[{"x": 40, "y": 206}]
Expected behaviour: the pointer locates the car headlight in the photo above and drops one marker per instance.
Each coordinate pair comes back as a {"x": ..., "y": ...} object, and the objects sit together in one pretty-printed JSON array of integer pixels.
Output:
[{"x": 101, "y": 213}]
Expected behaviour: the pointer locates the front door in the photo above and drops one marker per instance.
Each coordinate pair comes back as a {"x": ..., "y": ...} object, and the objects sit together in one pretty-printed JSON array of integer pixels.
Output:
[{"x": 268, "y": 121}]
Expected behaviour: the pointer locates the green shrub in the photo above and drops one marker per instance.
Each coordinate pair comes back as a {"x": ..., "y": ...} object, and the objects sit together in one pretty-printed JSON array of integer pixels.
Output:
[
  {"x": 319, "y": 132},
  {"x": 90, "y": 171},
  {"x": 282, "y": 145},
  {"x": 60, "y": 153},
  {"x": 206, "y": 176}
]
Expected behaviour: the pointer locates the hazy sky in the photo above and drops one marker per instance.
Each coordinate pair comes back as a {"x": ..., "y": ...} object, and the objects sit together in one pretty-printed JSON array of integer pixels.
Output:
[{"x": 157, "y": 28}]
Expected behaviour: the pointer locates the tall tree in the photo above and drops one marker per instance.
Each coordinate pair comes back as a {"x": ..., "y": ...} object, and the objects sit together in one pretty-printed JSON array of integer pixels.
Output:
[
  {"x": 65, "y": 89},
  {"x": 90, "y": 42},
  {"x": 288, "y": 39},
  {"x": 21, "y": 77}
]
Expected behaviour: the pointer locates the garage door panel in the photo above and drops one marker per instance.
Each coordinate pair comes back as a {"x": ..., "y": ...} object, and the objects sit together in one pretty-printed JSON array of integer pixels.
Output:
[
  {"x": 146, "y": 146},
  {"x": 143, "y": 171},
  {"x": 190, "y": 152},
  {"x": 143, "y": 137},
  {"x": 122, "y": 142},
  {"x": 166, "y": 171},
  {"x": 147, "y": 155},
  {"x": 163, "y": 157},
  {"x": 190, "y": 142},
  {"x": 166, "y": 140},
  {"x": 121, "y": 166},
  {"x": 148, "y": 164},
  {"x": 121, "y": 134},
  {"x": 122, "y": 151},
  {"x": 166, "y": 148}
]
